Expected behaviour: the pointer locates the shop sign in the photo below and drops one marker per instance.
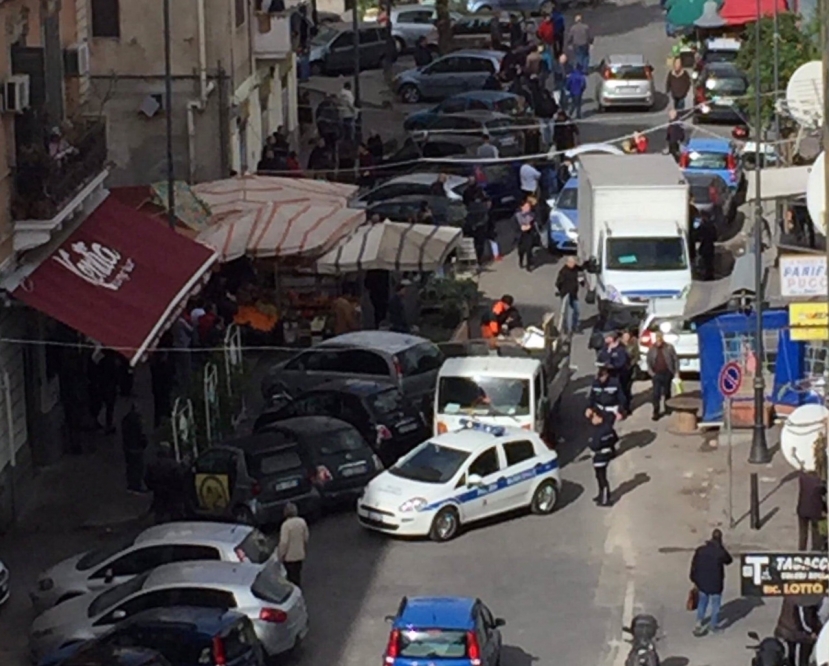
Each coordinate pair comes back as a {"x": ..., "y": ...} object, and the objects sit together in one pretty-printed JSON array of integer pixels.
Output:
[
  {"x": 783, "y": 574},
  {"x": 802, "y": 275},
  {"x": 808, "y": 321}
]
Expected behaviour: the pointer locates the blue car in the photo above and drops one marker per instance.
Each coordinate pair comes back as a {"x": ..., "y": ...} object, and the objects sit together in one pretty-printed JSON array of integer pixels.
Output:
[
  {"x": 712, "y": 156},
  {"x": 564, "y": 217},
  {"x": 476, "y": 100},
  {"x": 457, "y": 631},
  {"x": 181, "y": 636}
]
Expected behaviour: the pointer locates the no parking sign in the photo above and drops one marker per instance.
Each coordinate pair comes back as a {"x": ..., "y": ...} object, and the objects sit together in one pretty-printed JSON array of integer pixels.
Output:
[{"x": 731, "y": 378}]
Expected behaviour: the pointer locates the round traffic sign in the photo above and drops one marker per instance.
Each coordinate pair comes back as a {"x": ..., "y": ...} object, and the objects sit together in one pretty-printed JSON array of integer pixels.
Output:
[{"x": 731, "y": 378}]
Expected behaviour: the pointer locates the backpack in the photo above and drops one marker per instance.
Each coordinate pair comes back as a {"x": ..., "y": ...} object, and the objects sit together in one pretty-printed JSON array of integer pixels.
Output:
[{"x": 546, "y": 31}]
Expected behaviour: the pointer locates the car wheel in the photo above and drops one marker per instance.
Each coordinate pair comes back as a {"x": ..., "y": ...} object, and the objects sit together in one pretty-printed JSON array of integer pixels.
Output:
[
  {"x": 243, "y": 515},
  {"x": 545, "y": 498},
  {"x": 446, "y": 524},
  {"x": 410, "y": 94},
  {"x": 400, "y": 45},
  {"x": 483, "y": 9},
  {"x": 317, "y": 69}
]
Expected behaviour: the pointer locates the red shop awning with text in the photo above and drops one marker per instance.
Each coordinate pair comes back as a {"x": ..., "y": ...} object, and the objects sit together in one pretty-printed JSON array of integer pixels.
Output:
[{"x": 120, "y": 278}]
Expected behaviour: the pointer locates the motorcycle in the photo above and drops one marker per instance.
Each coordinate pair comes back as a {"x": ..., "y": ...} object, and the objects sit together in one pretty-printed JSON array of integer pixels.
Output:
[
  {"x": 767, "y": 652},
  {"x": 643, "y": 629}
]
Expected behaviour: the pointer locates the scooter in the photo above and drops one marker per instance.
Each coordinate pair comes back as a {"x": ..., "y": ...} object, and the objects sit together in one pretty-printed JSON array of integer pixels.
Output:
[
  {"x": 767, "y": 652},
  {"x": 643, "y": 628}
]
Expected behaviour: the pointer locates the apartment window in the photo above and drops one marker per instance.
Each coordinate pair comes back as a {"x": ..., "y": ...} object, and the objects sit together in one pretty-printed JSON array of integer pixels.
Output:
[
  {"x": 240, "y": 12},
  {"x": 106, "y": 18}
]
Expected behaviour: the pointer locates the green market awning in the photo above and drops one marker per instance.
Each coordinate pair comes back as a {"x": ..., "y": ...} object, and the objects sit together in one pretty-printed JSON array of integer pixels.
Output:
[{"x": 683, "y": 13}]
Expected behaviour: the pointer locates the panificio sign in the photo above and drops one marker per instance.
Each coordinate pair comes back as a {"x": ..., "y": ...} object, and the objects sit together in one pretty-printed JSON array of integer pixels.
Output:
[
  {"x": 783, "y": 574},
  {"x": 802, "y": 275}
]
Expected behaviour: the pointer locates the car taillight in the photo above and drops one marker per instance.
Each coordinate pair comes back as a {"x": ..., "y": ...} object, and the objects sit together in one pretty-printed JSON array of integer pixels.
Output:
[
  {"x": 699, "y": 95},
  {"x": 393, "y": 648},
  {"x": 646, "y": 339},
  {"x": 255, "y": 489},
  {"x": 219, "y": 656},
  {"x": 607, "y": 75},
  {"x": 383, "y": 433},
  {"x": 731, "y": 162},
  {"x": 442, "y": 429},
  {"x": 473, "y": 650},
  {"x": 321, "y": 475},
  {"x": 684, "y": 161},
  {"x": 273, "y": 615},
  {"x": 398, "y": 368}
]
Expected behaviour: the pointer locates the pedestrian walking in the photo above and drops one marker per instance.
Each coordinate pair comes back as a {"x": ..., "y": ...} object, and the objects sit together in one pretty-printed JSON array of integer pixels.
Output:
[
  {"x": 344, "y": 313},
  {"x": 603, "y": 445},
  {"x": 662, "y": 366},
  {"x": 422, "y": 52},
  {"x": 559, "y": 30},
  {"x": 799, "y": 625},
  {"x": 377, "y": 284},
  {"x": 631, "y": 344},
  {"x": 708, "y": 576},
  {"x": 606, "y": 395},
  {"x": 398, "y": 319},
  {"x": 580, "y": 39},
  {"x": 529, "y": 176},
  {"x": 678, "y": 84},
  {"x": 486, "y": 150},
  {"x": 516, "y": 32},
  {"x": 613, "y": 355},
  {"x": 164, "y": 478},
  {"x": 319, "y": 160},
  {"x": 477, "y": 216},
  {"x": 675, "y": 135},
  {"x": 706, "y": 235},
  {"x": 134, "y": 443},
  {"x": 811, "y": 509},
  {"x": 162, "y": 380},
  {"x": 525, "y": 223},
  {"x": 567, "y": 284},
  {"x": 565, "y": 132},
  {"x": 293, "y": 543},
  {"x": 575, "y": 85},
  {"x": 348, "y": 112},
  {"x": 103, "y": 388},
  {"x": 496, "y": 38},
  {"x": 561, "y": 71}
]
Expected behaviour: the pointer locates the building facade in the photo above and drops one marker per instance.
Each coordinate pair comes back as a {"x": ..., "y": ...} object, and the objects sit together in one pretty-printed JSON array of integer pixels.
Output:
[{"x": 225, "y": 98}]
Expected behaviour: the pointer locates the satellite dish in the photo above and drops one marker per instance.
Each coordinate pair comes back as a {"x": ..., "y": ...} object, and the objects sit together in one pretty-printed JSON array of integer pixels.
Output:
[
  {"x": 799, "y": 434},
  {"x": 804, "y": 94},
  {"x": 816, "y": 193}
]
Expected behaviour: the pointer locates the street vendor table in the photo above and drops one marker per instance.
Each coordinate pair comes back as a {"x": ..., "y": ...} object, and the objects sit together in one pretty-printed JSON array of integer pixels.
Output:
[{"x": 685, "y": 410}]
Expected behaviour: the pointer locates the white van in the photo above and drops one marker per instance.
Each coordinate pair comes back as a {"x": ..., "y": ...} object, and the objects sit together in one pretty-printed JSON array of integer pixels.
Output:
[{"x": 502, "y": 390}]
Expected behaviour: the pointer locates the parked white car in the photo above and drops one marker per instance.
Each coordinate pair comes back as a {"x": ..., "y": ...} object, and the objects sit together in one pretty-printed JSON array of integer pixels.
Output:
[
  {"x": 275, "y": 606},
  {"x": 4, "y": 584},
  {"x": 162, "y": 544},
  {"x": 665, "y": 315}
]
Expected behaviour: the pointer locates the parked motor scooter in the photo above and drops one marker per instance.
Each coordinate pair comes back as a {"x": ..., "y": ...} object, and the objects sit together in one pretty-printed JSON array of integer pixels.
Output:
[
  {"x": 767, "y": 652},
  {"x": 643, "y": 628}
]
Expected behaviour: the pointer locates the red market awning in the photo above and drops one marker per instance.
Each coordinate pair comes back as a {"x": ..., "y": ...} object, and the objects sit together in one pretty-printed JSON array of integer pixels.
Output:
[
  {"x": 740, "y": 12},
  {"x": 120, "y": 278}
]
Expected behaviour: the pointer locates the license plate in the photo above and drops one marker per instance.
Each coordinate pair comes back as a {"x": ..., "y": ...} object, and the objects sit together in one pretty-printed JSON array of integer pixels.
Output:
[
  {"x": 285, "y": 485},
  {"x": 508, "y": 141},
  {"x": 724, "y": 101},
  {"x": 373, "y": 515},
  {"x": 354, "y": 471},
  {"x": 409, "y": 427}
]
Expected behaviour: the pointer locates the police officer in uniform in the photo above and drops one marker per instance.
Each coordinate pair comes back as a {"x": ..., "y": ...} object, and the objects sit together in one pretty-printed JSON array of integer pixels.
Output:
[
  {"x": 603, "y": 444},
  {"x": 607, "y": 395},
  {"x": 613, "y": 355}
]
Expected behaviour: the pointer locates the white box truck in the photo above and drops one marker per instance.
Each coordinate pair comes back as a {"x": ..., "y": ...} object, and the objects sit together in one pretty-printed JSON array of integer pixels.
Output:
[{"x": 633, "y": 221}]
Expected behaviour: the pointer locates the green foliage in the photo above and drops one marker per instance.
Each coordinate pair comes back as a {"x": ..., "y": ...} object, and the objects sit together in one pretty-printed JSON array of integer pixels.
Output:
[{"x": 796, "y": 45}]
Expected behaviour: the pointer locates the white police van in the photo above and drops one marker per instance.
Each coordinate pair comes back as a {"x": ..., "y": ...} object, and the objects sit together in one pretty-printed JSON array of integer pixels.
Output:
[{"x": 460, "y": 477}]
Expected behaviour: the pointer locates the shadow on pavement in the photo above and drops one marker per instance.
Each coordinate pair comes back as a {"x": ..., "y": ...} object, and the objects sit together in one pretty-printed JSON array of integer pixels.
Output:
[
  {"x": 630, "y": 485},
  {"x": 570, "y": 492},
  {"x": 515, "y": 656},
  {"x": 638, "y": 439},
  {"x": 737, "y": 609},
  {"x": 675, "y": 661},
  {"x": 764, "y": 519}
]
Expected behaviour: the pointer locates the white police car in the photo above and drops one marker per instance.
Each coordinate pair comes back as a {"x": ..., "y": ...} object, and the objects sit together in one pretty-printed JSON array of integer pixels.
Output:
[{"x": 459, "y": 477}]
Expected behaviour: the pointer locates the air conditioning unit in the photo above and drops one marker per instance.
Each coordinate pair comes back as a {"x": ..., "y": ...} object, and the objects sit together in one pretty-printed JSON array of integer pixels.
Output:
[
  {"x": 17, "y": 93},
  {"x": 76, "y": 60}
]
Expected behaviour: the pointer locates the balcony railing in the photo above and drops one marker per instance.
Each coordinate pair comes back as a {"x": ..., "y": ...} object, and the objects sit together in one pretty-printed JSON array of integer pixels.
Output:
[
  {"x": 52, "y": 170},
  {"x": 272, "y": 34}
]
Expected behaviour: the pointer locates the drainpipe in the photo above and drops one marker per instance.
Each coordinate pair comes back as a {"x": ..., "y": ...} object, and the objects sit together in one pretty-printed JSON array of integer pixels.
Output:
[{"x": 205, "y": 89}]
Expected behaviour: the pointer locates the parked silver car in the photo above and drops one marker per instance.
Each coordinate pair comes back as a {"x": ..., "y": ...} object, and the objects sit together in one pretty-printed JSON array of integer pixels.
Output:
[
  {"x": 332, "y": 48},
  {"x": 505, "y": 131},
  {"x": 409, "y": 184},
  {"x": 275, "y": 606},
  {"x": 627, "y": 80},
  {"x": 456, "y": 72},
  {"x": 162, "y": 544},
  {"x": 411, "y": 22}
]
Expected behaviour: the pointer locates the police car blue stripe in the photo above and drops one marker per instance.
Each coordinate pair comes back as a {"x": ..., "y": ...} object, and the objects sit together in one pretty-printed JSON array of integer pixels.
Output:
[{"x": 501, "y": 484}]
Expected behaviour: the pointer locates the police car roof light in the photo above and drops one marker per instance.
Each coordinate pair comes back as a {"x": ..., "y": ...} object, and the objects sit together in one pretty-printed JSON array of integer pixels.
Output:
[{"x": 497, "y": 431}]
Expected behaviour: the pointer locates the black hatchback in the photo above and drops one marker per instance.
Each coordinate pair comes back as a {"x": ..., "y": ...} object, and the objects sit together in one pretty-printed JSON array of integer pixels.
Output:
[{"x": 389, "y": 423}]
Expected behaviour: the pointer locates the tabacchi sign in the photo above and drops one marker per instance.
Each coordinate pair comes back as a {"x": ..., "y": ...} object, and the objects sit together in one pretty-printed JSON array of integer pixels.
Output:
[
  {"x": 783, "y": 574},
  {"x": 802, "y": 275},
  {"x": 96, "y": 264}
]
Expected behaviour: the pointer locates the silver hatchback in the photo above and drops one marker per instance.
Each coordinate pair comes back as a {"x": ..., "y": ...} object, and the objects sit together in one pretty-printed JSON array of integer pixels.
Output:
[{"x": 627, "y": 80}]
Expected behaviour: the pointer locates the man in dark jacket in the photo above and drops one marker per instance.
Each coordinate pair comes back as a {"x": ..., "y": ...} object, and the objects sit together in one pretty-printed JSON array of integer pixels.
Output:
[
  {"x": 708, "y": 575},
  {"x": 678, "y": 84},
  {"x": 675, "y": 135},
  {"x": 799, "y": 626},
  {"x": 613, "y": 355},
  {"x": 422, "y": 54},
  {"x": 567, "y": 284},
  {"x": 811, "y": 507},
  {"x": 134, "y": 442},
  {"x": 663, "y": 367},
  {"x": 606, "y": 395},
  {"x": 706, "y": 235}
]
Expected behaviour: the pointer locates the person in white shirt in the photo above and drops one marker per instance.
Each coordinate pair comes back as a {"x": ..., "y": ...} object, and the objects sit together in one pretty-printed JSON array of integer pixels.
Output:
[
  {"x": 347, "y": 111},
  {"x": 293, "y": 543},
  {"x": 486, "y": 150},
  {"x": 529, "y": 177}
]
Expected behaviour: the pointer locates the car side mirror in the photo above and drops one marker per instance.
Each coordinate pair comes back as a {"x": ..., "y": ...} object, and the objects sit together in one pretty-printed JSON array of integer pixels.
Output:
[
  {"x": 119, "y": 614},
  {"x": 474, "y": 480},
  {"x": 500, "y": 622},
  {"x": 109, "y": 576}
]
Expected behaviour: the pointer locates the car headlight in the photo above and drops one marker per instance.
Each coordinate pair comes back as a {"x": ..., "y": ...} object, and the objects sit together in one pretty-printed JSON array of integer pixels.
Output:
[
  {"x": 45, "y": 584},
  {"x": 414, "y": 504},
  {"x": 686, "y": 290},
  {"x": 613, "y": 294}
]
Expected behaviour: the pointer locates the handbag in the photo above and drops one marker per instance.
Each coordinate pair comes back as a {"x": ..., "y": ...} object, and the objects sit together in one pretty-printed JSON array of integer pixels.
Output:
[{"x": 692, "y": 601}]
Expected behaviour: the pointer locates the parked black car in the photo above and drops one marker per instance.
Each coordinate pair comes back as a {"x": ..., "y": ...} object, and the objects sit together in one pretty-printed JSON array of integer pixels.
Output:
[{"x": 391, "y": 425}]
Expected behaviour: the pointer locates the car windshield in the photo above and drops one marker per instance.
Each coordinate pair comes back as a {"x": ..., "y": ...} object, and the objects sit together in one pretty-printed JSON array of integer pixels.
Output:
[
  {"x": 268, "y": 463},
  {"x": 270, "y": 585},
  {"x": 673, "y": 325},
  {"x": 508, "y": 105},
  {"x": 432, "y": 644},
  {"x": 106, "y": 600},
  {"x": 568, "y": 199},
  {"x": 325, "y": 35},
  {"x": 646, "y": 254},
  {"x": 721, "y": 56},
  {"x": 100, "y": 555},
  {"x": 256, "y": 547},
  {"x": 430, "y": 463},
  {"x": 386, "y": 402},
  {"x": 731, "y": 85},
  {"x": 344, "y": 440},
  {"x": 627, "y": 73},
  {"x": 699, "y": 160},
  {"x": 483, "y": 395}
]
